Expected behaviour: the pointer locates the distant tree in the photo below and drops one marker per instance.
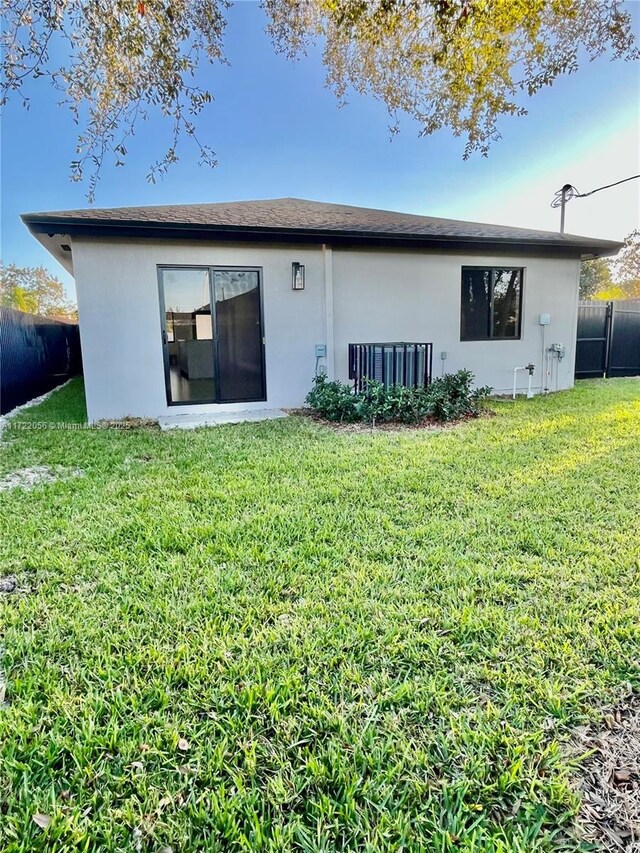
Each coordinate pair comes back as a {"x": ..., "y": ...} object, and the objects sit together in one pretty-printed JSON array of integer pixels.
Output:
[
  {"x": 626, "y": 266},
  {"x": 34, "y": 290},
  {"x": 595, "y": 276},
  {"x": 615, "y": 278},
  {"x": 611, "y": 293},
  {"x": 460, "y": 64}
]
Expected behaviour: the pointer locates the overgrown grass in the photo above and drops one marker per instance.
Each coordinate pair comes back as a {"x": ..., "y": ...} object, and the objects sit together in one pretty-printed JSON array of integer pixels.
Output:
[{"x": 369, "y": 641}]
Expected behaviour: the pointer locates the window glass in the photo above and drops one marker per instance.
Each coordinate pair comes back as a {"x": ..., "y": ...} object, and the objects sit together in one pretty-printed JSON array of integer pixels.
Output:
[
  {"x": 240, "y": 368},
  {"x": 189, "y": 334},
  {"x": 476, "y": 291},
  {"x": 506, "y": 303},
  {"x": 491, "y": 305}
]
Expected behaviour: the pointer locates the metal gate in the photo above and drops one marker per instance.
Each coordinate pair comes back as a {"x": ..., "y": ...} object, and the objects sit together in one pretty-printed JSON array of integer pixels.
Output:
[{"x": 608, "y": 342}]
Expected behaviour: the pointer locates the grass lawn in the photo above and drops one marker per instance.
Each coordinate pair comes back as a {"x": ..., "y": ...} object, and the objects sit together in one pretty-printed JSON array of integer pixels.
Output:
[{"x": 276, "y": 636}]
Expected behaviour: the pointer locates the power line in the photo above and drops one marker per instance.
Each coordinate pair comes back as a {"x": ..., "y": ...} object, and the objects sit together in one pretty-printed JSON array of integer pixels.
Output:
[
  {"x": 562, "y": 196},
  {"x": 568, "y": 192},
  {"x": 623, "y": 181}
]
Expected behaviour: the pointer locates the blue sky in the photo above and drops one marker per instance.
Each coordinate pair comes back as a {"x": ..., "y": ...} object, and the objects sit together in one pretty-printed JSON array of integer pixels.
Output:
[{"x": 277, "y": 131}]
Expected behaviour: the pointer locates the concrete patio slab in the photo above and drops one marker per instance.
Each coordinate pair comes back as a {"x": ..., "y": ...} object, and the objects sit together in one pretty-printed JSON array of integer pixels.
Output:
[{"x": 218, "y": 418}]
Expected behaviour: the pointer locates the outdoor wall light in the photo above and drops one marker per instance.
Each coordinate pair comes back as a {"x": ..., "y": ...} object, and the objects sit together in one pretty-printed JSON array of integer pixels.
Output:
[{"x": 297, "y": 276}]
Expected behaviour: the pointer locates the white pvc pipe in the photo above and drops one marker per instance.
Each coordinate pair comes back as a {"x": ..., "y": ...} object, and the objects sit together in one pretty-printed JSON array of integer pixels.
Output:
[
  {"x": 543, "y": 382},
  {"x": 515, "y": 379},
  {"x": 515, "y": 382}
]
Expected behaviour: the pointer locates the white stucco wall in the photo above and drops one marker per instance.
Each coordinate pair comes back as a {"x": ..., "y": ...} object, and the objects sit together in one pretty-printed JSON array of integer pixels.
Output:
[
  {"x": 415, "y": 296},
  {"x": 120, "y": 324},
  {"x": 350, "y": 296}
]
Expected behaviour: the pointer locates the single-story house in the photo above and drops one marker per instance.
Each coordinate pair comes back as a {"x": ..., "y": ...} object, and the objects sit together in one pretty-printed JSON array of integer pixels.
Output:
[{"x": 205, "y": 308}]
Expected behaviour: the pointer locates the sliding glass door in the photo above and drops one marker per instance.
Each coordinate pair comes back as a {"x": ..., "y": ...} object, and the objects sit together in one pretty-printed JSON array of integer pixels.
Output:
[
  {"x": 238, "y": 335},
  {"x": 188, "y": 336},
  {"x": 212, "y": 335}
]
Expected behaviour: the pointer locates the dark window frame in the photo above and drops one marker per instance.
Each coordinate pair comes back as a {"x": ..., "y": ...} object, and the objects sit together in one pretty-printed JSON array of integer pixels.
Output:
[
  {"x": 492, "y": 270},
  {"x": 211, "y": 268}
]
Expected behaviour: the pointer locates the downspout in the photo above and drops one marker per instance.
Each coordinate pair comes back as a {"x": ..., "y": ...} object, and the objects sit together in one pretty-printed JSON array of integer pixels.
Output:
[{"x": 327, "y": 252}]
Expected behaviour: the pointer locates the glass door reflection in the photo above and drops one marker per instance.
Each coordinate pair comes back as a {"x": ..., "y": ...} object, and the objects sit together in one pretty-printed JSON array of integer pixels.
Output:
[
  {"x": 238, "y": 335},
  {"x": 188, "y": 338}
]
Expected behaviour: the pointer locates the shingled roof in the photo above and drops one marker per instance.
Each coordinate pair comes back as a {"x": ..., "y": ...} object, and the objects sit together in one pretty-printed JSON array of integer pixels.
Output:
[{"x": 293, "y": 219}]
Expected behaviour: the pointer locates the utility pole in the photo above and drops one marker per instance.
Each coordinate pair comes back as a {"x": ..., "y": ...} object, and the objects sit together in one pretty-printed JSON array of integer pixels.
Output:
[{"x": 563, "y": 202}]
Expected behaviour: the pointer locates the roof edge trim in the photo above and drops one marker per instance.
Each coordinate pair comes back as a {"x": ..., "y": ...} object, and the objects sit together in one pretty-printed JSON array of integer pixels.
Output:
[{"x": 39, "y": 224}]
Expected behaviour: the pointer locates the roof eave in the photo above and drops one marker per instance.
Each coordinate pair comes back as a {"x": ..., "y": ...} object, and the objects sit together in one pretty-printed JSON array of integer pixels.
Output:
[{"x": 76, "y": 226}]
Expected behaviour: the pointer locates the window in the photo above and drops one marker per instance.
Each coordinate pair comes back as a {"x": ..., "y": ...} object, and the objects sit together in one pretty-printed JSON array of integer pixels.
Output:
[{"x": 491, "y": 303}]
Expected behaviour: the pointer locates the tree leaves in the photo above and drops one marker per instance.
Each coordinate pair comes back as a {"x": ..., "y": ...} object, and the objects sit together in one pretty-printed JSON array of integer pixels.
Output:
[
  {"x": 617, "y": 278},
  {"x": 121, "y": 64},
  {"x": 460, "y": 65},
  {"x": 626, "y": 266},
  {"x": 34, "y": 290},
  {"x": 595, "y": 276}
]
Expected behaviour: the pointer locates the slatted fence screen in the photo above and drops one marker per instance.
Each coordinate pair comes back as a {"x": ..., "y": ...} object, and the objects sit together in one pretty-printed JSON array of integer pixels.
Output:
[
  {"x": 36, "y": 354},
  {"x": 624, "y": 355},
  {"x": 400, "y": 363},
  {"x": 608, "y": 341}
]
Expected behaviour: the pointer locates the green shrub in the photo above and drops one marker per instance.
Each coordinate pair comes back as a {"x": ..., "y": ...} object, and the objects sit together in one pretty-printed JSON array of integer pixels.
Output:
[
  {"x": 447, "y": 398},
  {"x": 334, "y": 401},
  {"x": 395, "y": 403},
  {"x": 453, "y": 397}
]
